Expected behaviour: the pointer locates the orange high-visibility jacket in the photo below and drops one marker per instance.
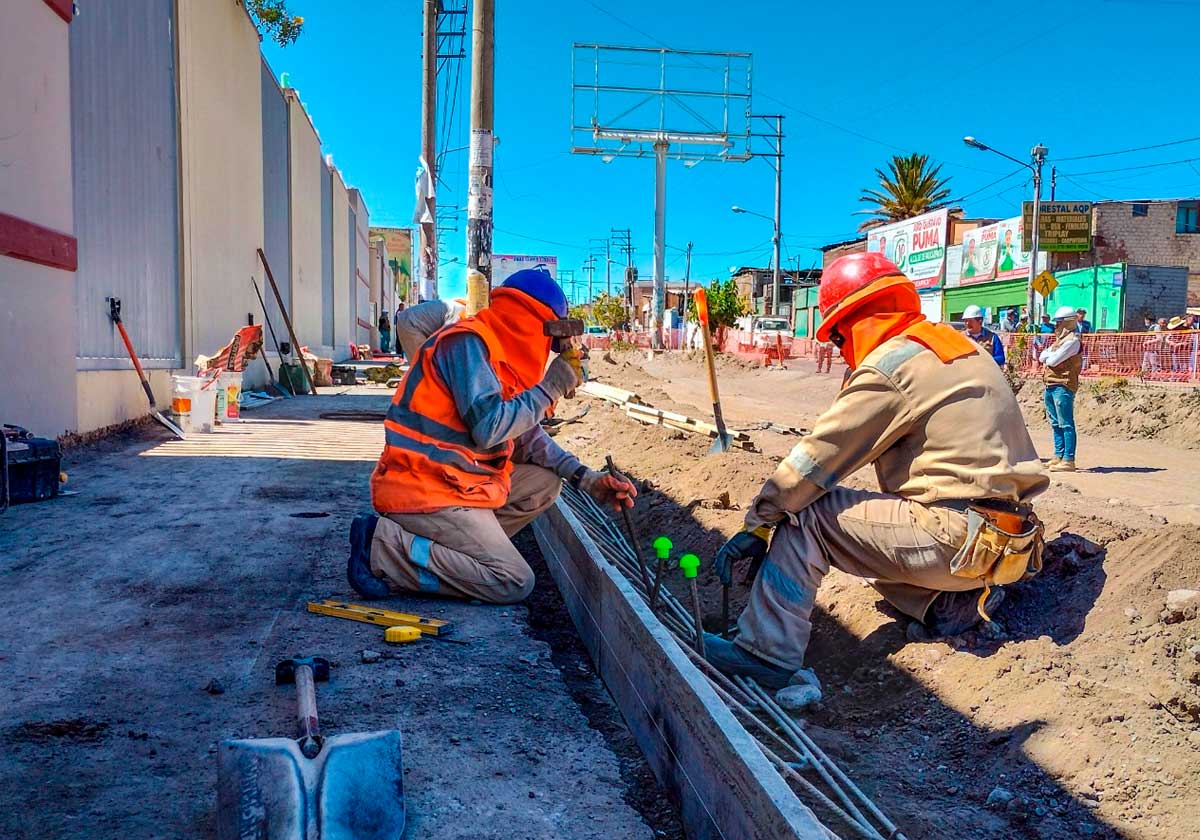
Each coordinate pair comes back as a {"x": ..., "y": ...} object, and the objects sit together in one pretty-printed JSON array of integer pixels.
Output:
[{"x": 430, "y": 460}]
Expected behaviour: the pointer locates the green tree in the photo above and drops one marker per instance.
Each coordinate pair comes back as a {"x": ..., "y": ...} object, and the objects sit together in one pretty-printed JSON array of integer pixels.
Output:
[
  {"x": 273, "y": 18},
  {"x": 909, "y": 188},
  {"x": 725, "y": 306},
  {"x": 608, "y": 311}
]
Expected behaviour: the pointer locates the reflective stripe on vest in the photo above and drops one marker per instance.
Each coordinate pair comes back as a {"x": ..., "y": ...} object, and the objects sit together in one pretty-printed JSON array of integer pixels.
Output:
[{"x": 430, "y": 461}]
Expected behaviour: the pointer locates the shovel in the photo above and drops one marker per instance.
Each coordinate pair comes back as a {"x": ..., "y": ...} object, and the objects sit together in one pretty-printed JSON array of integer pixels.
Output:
[
  {"x": 114, "y": 312},
  {"x": 723, "y": 441},
  {"x": 346, "y": 787}
]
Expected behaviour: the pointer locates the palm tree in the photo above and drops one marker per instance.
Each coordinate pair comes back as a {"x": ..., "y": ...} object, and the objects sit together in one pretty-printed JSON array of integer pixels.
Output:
[{"x": 909, "y": 188}]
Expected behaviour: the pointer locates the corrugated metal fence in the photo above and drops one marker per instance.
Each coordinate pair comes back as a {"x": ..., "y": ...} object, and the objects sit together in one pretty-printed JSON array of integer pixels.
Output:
[{"x": 126, "y": 180}]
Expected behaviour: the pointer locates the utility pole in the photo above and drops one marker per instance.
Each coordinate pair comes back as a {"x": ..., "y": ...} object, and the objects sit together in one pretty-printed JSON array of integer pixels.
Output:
[
  {"x": 624, "y": 239},
  {"x": 687, "y": 282},
  {"x": 1038, "y": 153},
  {"x": 603, "y": 248},
  {"x": 479, "y": 190},
  {"x": 659, "y": 292},
  {"x": 428, "y": 232},
  {"x": 778, "y": 237},
  {"x": 1053, "y": 181},
  {"x": 589, "y": 268}
]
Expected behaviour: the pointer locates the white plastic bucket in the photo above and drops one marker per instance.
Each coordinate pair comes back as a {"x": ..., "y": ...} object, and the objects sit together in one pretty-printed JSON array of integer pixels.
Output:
[
  {"x": 204, "y": 407},
  {"x": 184, "y": 390},
  {"x": 231, "y": 387}
]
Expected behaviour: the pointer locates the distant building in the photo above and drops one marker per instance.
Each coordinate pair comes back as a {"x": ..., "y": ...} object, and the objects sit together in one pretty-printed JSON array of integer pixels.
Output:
[
  {"x": 754, "y": 284},
  {"x": 1149, "y": 232}
]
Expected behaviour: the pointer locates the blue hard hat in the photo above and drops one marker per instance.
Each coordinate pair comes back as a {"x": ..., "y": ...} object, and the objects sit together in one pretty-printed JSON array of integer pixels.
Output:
[{"x": 539, "y": 285}]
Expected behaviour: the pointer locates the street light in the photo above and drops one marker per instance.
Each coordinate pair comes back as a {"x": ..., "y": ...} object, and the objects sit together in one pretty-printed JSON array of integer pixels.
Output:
[
  {"x": 1038, "y": 156},
  {"x": 775, "y": 240}
]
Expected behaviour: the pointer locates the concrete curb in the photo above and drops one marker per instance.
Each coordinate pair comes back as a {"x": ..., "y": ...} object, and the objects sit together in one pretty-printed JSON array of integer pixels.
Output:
[{"x": 698, "y": 751}]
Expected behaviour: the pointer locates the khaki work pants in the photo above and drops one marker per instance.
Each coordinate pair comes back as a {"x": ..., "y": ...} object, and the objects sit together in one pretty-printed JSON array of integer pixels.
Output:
[
  {"x": 903, "y": 548},
  {"x": 461, "y": 551}
]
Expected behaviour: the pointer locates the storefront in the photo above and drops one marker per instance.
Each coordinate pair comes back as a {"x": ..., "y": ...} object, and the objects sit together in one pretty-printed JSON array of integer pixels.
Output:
[{"x": 993, "y": 298}]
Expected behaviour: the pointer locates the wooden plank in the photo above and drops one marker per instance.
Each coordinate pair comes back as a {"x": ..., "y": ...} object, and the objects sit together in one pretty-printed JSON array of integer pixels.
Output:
[
  {"x": 699, "y": 752},
  {"x": 608, "y": 392},
  {"x": 681, "y": 421}
]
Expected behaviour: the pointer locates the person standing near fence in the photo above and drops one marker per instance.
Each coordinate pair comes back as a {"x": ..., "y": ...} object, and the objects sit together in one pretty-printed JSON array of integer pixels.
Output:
[
  {"x": 1062, "y": 361},
  {"x": 987, "y": 340}
]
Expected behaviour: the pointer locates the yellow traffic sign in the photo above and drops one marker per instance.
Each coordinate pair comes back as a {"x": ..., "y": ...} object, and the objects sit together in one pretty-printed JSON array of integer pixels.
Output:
[{"x": 1044, "y": 284}]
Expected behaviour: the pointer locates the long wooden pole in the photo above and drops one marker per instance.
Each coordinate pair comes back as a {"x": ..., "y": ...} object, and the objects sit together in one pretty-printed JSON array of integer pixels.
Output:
[{"x": 312, "y": 386}]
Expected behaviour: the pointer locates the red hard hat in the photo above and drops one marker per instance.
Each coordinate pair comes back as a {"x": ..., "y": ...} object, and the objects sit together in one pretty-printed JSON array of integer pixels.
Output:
[{"x": 850, "y": 280}]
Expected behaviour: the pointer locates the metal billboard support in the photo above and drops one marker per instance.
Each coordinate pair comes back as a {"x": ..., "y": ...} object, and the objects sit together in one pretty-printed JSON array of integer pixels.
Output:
[{"x": 688, "y": 105}]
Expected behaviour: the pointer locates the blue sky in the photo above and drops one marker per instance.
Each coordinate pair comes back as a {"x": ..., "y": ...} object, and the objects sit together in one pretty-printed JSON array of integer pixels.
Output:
[{"x": 857, "y": 82}]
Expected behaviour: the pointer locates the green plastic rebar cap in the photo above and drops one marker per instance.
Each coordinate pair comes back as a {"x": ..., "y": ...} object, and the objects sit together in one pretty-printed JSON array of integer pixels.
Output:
[
  {"x": 690, "y": 563},
  {"x": 662, "y": 547}
]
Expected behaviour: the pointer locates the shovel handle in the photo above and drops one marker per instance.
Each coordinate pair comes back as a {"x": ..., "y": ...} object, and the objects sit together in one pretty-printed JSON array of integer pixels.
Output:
[{"x": 308, "y": 726}]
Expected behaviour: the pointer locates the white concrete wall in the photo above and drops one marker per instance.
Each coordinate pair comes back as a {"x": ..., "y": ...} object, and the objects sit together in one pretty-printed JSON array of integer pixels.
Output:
[
  {"x": 364, "y": 311},
  {"x": 375, "y": 278},
  {"x": 37, "y": 303},
  {"x": 220, "y": 105},
  {"x": 306, "y": 224},
  {"x": 344, "y": 334}
]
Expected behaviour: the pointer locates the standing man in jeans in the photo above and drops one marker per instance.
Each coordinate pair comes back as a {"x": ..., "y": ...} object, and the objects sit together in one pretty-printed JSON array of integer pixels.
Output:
[{"x": 1062, "y": 362}]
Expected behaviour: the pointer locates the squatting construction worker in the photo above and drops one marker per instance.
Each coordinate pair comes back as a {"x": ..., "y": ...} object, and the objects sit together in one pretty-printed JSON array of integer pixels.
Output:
[
  {"x": 417, "y": 323},
  {"x": 987, "y": 340},
  {"x": 466, "y": 465},
  {"x": 1062, "y": 360},
  {"x": 956, "y": 470}
]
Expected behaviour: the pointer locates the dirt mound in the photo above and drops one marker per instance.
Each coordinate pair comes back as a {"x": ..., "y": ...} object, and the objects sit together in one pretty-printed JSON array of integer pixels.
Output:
[
  {"x": 1078, "y": 716},
  {"x": 1123, "y": 410}
]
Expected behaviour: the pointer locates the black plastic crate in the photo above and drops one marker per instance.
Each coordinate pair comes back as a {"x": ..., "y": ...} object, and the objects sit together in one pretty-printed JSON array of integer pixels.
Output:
[{"x": 33, "y": 464}]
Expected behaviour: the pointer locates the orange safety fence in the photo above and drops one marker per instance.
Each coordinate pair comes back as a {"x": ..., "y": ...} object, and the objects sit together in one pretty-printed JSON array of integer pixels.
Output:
[
  {"x": 1166, "y": 357},
  {"x": 1172, "y": 356}
]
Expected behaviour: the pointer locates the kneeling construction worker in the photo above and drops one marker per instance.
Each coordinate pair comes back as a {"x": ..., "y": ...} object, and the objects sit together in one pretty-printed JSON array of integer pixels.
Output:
[
  {"x": 466, "y": 465},
  {"x": 956, "y": 471}
]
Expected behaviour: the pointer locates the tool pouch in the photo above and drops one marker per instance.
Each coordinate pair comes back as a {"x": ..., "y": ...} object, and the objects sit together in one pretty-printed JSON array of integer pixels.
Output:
[{"x": 995, "y": 555}]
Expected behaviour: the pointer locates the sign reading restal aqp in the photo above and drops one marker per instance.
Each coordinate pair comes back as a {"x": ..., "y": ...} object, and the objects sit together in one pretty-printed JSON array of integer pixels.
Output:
[{"x": 1063, "y": 225}]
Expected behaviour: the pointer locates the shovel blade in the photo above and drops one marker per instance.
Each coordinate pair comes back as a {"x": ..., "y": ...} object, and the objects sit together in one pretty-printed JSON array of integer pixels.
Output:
[
  {"x": 721, "y": 443},
  {"x": 352, "y": 790}
]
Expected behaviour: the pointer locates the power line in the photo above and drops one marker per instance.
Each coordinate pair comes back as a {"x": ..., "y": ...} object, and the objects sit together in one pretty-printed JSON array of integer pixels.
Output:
[
  {"x": 573, "y": 247},
  {"x": 985, "y": 186},
  {"x": 1134, "y": 168},
  {"x": 1130, "y": 151}
]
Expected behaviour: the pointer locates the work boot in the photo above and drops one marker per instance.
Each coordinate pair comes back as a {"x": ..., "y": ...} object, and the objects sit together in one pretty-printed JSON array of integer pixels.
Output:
[
  {"x": 358, "y": 569},
  {"x": 1063, "y": 466},
  {"x": 735, "y": 661},
  {"x": 1053, "y": 462},
  {"x": 953, "y": 613}
]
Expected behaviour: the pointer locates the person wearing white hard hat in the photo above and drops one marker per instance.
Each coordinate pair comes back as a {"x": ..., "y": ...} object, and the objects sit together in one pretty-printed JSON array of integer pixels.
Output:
[
  {"x": 987, "y": 340},
  {"x": 1062, "y": 362}
]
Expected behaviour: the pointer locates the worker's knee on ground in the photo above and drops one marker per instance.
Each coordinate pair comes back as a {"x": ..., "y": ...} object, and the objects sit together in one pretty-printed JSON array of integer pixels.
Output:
[{"x": 514, "y": 584}]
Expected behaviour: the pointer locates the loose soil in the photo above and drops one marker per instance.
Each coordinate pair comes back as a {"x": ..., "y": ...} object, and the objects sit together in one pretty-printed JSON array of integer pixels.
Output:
[{"x": 1086, "y": 708}]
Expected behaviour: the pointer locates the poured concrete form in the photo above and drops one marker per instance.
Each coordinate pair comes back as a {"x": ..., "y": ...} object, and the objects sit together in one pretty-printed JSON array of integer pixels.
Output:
[{"x": 695, "y": 746}]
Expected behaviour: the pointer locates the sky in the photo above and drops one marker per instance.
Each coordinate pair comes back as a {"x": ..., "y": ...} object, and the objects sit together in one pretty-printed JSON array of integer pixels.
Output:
[{"x": 856, "y": 83}]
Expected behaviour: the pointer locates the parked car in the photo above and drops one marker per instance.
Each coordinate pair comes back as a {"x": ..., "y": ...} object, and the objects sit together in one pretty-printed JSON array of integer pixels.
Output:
[
  {"x": 597, "y": 331},
  {"x": 766, "y": 330}
]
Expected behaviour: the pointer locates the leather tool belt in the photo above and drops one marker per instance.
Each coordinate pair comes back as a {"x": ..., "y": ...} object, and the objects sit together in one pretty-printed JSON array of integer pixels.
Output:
[{"x": 1004, "y": 545}]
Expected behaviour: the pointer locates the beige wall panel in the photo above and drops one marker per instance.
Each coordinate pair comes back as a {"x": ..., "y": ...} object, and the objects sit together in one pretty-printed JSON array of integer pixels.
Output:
[
  {"x": 37, "y": 303},
  {"x": 220, "y": 104},
  {"x": 306, "y": 171},
  {"x": 343, "y": 317}
]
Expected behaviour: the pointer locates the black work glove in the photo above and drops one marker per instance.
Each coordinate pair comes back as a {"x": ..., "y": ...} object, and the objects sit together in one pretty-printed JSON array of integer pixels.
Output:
[{"x": 746, "y": 545}]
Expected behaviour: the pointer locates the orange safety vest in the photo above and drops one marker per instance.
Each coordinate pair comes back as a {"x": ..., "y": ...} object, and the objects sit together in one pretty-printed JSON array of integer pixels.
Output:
[{"x": 430, "y": 461}]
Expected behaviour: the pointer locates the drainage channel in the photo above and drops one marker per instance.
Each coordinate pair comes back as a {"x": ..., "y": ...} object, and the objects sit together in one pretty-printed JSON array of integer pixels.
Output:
[{"x": 809, "y": 772}]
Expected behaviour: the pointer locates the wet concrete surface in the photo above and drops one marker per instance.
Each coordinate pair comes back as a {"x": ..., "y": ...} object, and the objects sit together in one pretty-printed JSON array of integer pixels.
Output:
[{"x": 140, "y": 622}]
